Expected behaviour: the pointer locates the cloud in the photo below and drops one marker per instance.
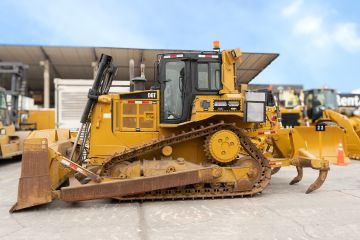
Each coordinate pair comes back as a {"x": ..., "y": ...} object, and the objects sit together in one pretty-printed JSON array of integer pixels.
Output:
[
  {"x": 341, "y": 35},
  {"x": 292, "y": 9},
  {"x": 308, "y": 25},
  {"x": 346, "y": 36},
  {"x": 319, "y": 31},
  {"x": 320, "y": 44}
]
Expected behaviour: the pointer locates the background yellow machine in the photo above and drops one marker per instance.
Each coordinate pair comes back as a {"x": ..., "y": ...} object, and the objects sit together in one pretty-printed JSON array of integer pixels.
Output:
[
  {"x": 37, "y": 119},
  {"x": 11, "y": 140},
  {"x": 195, "y": 134},
  {"x": 320, "y": 107}
]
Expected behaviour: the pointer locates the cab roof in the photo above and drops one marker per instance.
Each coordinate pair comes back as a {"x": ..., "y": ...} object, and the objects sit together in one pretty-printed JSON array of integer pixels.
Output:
[{"x": 250, "y": 66}]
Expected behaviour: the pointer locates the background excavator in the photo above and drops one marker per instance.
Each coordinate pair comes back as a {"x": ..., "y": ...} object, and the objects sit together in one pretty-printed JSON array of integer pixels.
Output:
[{"x": 194, "y": 134}]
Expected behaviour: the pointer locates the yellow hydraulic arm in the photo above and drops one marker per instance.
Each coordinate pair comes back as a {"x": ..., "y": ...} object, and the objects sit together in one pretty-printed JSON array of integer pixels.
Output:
[{"x": 351, "y": 137}]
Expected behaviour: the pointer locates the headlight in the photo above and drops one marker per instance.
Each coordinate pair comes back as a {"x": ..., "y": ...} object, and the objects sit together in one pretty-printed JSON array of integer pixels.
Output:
[{"x": 255, "y": 106}]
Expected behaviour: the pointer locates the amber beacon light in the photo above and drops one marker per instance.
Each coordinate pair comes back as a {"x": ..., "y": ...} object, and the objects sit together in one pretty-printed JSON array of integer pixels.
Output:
[{"x": 216, "y": 45}]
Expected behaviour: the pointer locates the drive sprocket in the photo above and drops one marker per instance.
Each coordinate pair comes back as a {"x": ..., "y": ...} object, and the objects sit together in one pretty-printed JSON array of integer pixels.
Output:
[{"x": 222, "y": 147}]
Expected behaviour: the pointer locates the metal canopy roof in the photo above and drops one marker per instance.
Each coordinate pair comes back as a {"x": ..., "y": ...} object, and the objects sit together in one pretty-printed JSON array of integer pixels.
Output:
[{"x": 75, "y": 62}]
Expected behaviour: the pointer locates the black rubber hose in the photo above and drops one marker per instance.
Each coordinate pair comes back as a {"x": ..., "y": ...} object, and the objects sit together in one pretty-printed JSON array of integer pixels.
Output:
[{"x": 104, "y": 64}]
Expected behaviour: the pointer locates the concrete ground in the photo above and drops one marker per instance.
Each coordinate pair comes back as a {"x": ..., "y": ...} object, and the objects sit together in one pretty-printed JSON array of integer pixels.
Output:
[{"x": 281, "y": 212}]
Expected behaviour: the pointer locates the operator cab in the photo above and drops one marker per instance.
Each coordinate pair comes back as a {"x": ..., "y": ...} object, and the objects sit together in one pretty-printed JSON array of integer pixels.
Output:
[
  {"x": 182, "y": 77},
  {"x": 317, "y": 100}
]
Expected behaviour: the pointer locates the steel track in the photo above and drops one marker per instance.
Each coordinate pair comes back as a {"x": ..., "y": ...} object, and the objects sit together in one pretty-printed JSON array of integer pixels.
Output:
[{"x": 190, "y": 192}]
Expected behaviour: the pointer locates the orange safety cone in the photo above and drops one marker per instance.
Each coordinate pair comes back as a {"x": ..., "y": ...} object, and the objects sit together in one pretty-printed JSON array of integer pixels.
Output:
[{"x": 340, "y": 155}]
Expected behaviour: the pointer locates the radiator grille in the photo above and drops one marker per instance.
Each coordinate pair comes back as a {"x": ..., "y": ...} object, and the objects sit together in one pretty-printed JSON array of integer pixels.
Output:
[{"x": 135, "y": 117}]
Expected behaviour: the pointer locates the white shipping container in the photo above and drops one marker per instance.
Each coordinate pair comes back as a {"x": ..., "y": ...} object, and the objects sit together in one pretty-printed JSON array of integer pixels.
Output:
[{"x": 71, "y": 98}]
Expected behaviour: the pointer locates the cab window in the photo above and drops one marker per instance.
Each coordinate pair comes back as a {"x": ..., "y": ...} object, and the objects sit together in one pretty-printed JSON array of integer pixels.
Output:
[
  {"x": 173, "y": 93},
  {"x": 4, "y": 113},
  {"x": 208, "y": 76},
  {"x": 2, "y": 100}
]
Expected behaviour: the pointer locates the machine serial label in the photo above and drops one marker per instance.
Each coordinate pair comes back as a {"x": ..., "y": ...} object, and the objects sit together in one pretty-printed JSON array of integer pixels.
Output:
[
  {"x": 320, "y": 127},
  {"x": 226, "y": 105},
  {"x": 140, "y": 95}
]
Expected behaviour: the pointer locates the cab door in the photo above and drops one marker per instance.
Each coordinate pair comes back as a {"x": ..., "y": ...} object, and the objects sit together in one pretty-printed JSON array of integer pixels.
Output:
[{"x": 175, "y": 83}]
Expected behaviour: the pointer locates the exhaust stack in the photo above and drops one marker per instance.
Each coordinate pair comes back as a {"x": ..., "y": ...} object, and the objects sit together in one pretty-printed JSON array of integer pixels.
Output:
[
  {"x": 131, "y": 69},
  {"x": 138, "y": 83}
]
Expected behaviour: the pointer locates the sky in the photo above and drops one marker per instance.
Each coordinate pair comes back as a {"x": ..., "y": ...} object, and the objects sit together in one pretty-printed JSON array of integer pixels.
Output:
[{"x": 318, "y": 41}]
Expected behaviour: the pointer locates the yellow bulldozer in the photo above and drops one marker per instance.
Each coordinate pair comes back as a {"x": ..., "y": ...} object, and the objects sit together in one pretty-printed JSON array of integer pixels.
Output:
[{"x": 194, "y": 135}]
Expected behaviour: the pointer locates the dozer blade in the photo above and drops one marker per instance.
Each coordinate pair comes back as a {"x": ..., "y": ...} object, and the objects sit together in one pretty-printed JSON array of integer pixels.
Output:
[{"x": 34, "y": 183}]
